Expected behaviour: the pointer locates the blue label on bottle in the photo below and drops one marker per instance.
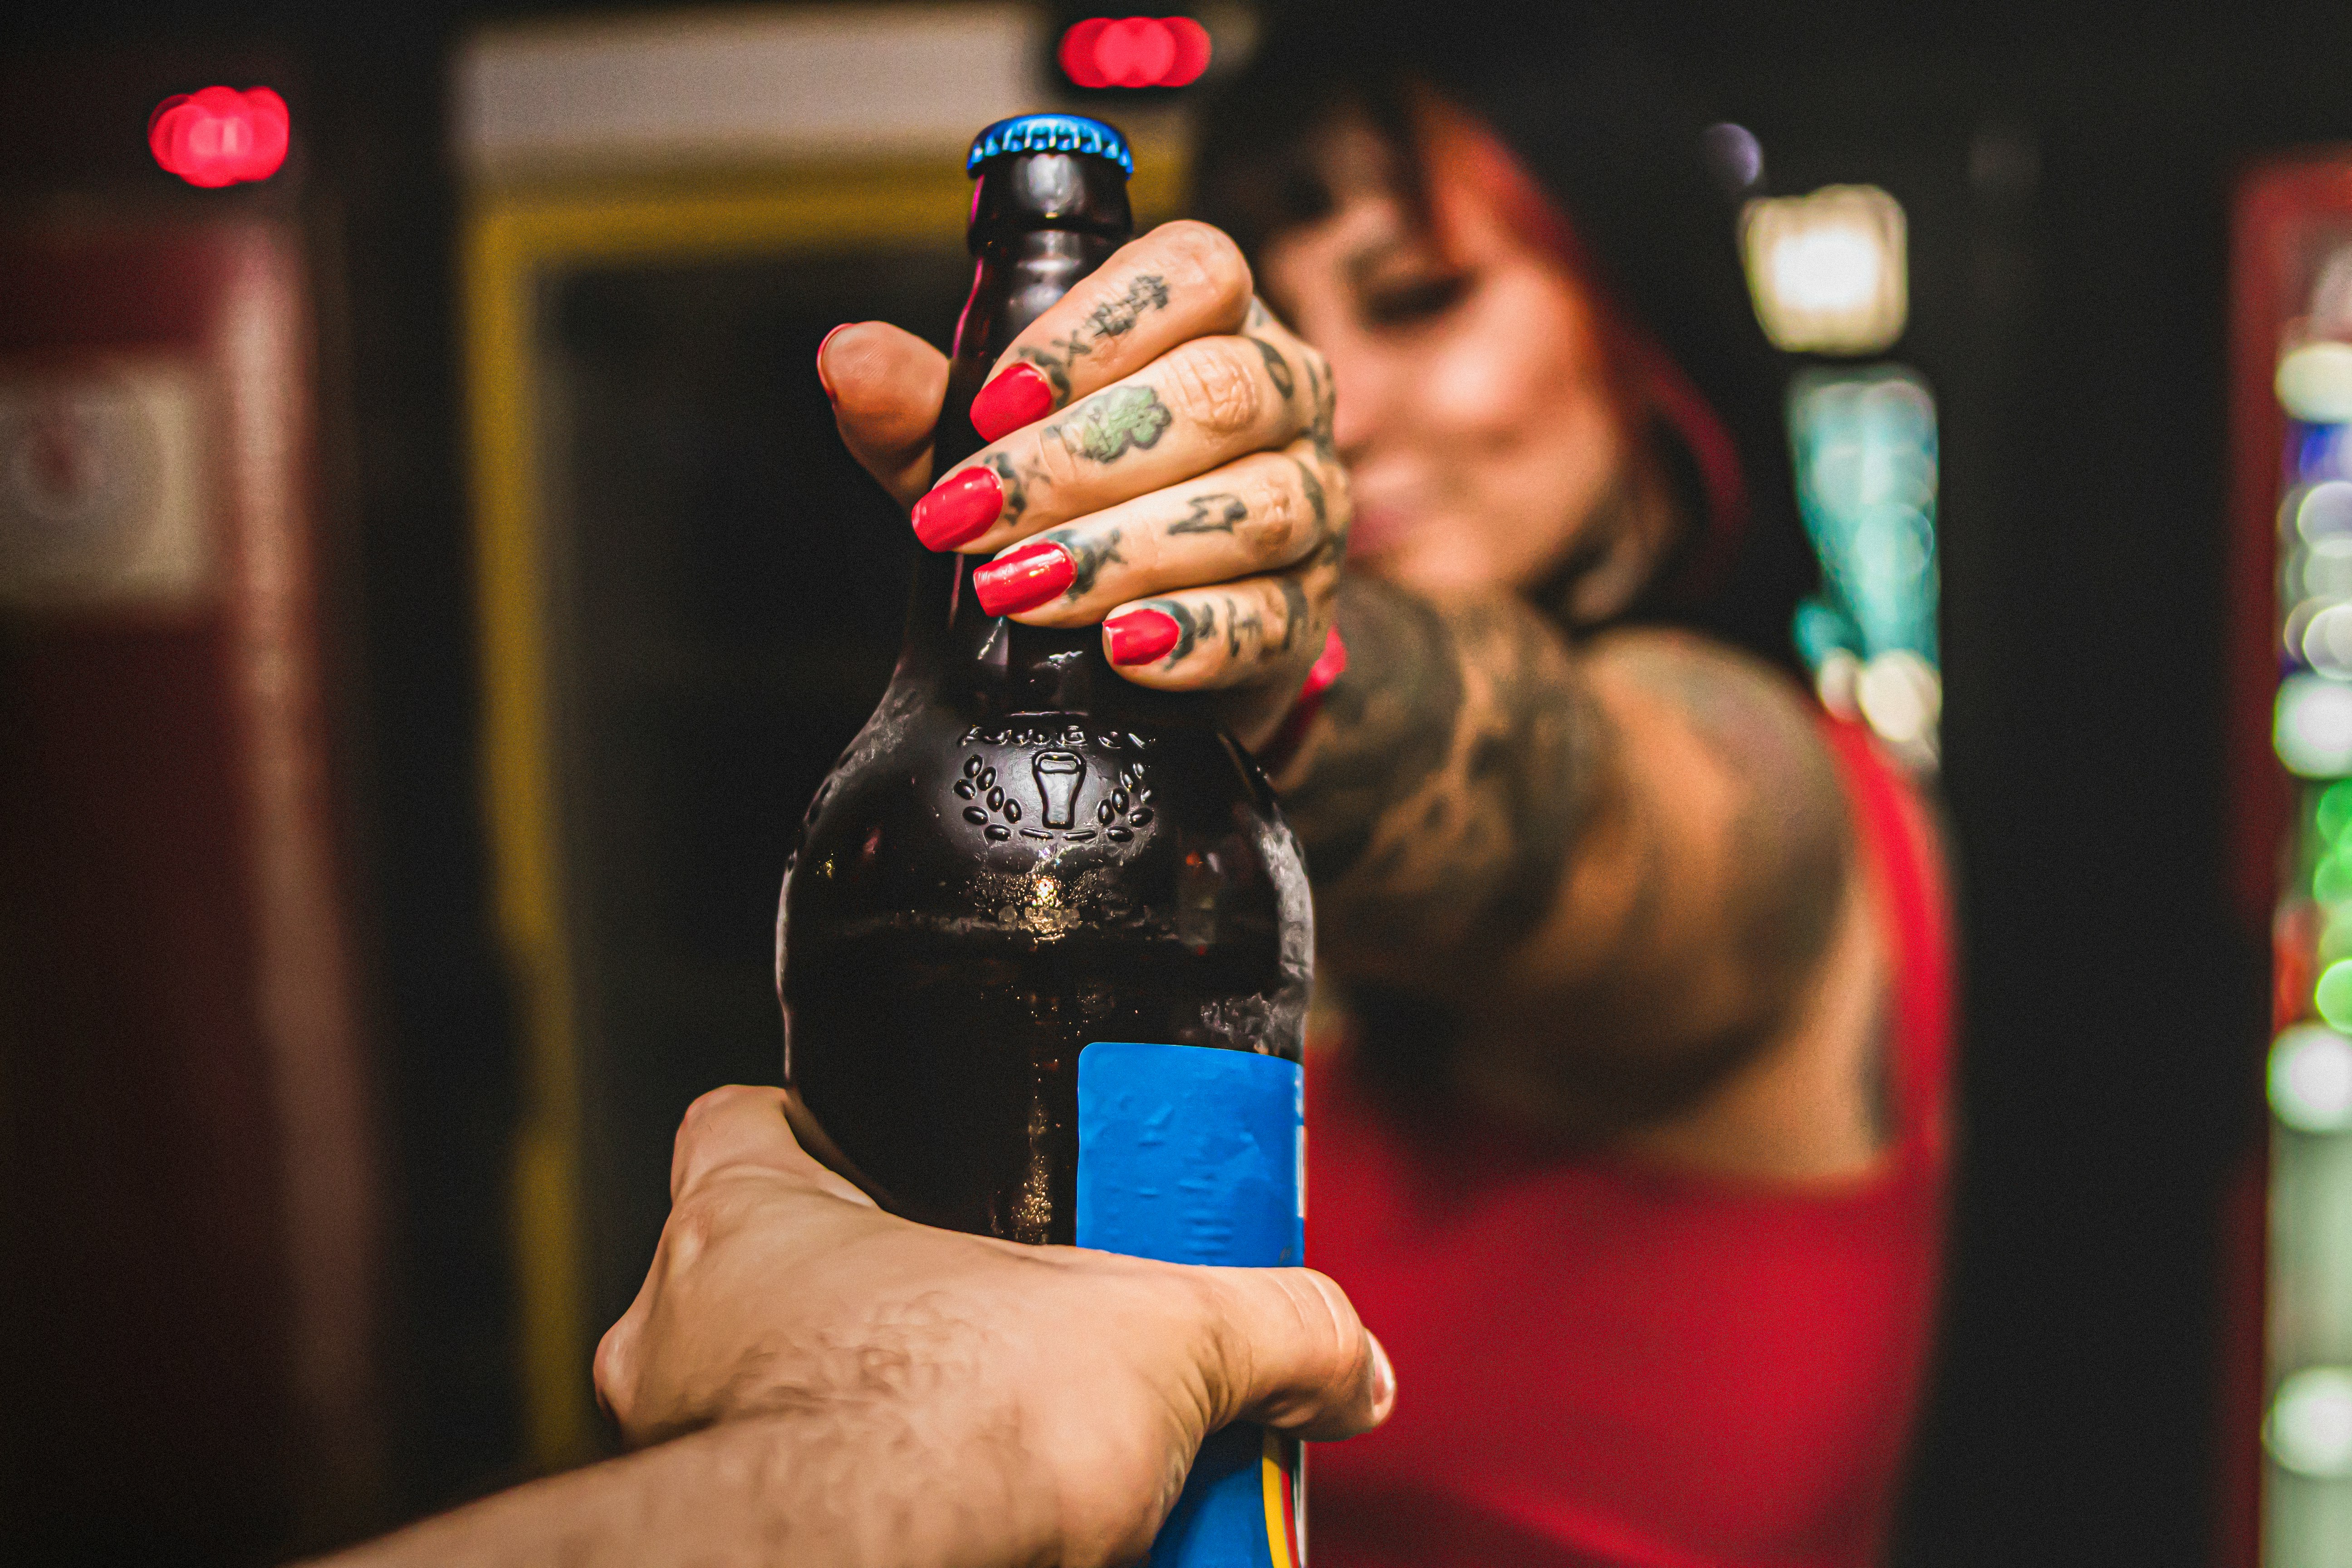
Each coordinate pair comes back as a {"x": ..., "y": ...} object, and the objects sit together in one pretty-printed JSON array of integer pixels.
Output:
[{"x": 1193, "y": 1154}]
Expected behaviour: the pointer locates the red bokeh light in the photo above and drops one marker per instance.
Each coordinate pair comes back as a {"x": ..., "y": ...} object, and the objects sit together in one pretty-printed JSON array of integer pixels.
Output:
[
  {"x": 219, "y": 136},
  {"x": 1135, "y": 52}
]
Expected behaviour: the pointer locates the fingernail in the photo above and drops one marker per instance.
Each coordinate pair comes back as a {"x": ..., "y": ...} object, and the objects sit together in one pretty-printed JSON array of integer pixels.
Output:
[
  {"x": 822, "y": 379},
  {"x": 1139, "y": 637},
  {"x": 1014, "y": 399},
  {"x": 1022, "y": 578},
  {"x": 960, "y": 509},
  {"x": 1383, "y": 1379}
]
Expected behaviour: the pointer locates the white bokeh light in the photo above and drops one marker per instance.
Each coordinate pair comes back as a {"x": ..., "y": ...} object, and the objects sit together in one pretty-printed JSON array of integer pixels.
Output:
[
  {"x": 2311, "y": 1079},
  {"x": 1828, "y": 271},
  {"x": 2312, "y": 726},
  {"x": 2310, "y": 1426},
  {"x": 2314, "y": 383}
]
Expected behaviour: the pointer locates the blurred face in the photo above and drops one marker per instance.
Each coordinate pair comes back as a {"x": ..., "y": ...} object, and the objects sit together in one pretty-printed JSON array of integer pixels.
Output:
[{"x": 1483, "y": 421}]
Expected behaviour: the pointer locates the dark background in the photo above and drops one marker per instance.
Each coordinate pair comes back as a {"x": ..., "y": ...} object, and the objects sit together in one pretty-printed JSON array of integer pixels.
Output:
[{"x": 2065, "y": 170}]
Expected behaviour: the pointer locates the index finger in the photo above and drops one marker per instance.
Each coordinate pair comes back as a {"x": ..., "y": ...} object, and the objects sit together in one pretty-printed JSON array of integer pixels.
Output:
[
  {"x": 1182, "y": 280},
  {"x": 743, "y": 1127}
]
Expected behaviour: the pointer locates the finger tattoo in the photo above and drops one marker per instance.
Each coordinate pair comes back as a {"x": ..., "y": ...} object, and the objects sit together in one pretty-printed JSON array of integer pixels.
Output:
[
  {"x": 1277, "y": 369},
  {"x": 1090, "y": 553},
  {"x": 1111, "y": 319},
  {"x": 1218, "y": 512},
  {"x": 1315, "y": 497},
  {"x": 1015, "y": 485},
  {"x": 1294, "y": 609},
  {"x": 1117, "y": 317},
  {"x": 1109, "y": 424}
]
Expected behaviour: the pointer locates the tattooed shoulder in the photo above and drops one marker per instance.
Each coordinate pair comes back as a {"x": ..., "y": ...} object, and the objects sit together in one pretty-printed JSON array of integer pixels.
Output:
[{"x": 1785, "y": 876}]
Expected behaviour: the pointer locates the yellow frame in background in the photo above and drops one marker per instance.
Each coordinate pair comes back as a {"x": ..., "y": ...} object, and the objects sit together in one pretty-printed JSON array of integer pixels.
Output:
[{"x": 513, "y": 238}]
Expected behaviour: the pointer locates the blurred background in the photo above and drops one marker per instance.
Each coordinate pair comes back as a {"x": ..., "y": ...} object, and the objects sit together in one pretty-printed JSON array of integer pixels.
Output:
[{"x": 407, "y": 690}]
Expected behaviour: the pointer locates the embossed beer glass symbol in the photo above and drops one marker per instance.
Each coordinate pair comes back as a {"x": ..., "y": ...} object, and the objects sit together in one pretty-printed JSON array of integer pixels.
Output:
[{"x": 1059, "y": 773}]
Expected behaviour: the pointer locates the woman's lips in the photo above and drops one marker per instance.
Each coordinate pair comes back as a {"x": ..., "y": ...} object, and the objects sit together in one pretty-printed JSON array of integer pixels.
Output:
[{"x": 1376, "y": 529}]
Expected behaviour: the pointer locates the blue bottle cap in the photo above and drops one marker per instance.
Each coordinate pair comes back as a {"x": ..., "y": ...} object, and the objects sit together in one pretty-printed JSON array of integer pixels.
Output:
[{"x": 1050, "y": 134}]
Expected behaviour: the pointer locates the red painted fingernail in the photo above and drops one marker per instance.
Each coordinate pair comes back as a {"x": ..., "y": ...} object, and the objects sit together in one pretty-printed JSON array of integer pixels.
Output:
[
  {"x": 1139, "y": 637},
  {"x": 960, "y": 509},
  {"x": 1014, "y": 399},
  {"x": 1022, "y": 578},
  {"x": 822, "y": 379}
]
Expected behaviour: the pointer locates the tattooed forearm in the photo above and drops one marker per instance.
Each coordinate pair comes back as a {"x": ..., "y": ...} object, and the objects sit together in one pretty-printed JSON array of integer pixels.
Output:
[
  {"x": 1619, "y": 867},
  {"x": 1445, "y": 781}
]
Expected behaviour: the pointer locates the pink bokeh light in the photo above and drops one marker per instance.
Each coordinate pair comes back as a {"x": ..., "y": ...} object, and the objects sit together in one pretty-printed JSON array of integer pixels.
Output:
[{"x": 219, "y": 136}]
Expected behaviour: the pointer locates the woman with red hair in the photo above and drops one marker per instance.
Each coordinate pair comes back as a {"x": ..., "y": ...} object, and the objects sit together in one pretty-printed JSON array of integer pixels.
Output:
[{"x": 1628, "y": 1108}]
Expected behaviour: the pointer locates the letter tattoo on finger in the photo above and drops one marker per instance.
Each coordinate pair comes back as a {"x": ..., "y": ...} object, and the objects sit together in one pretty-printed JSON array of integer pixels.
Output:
[
  {"x": 1117, "y": 317},
  {"x": 1015, "y": 484},
  {"x": 1217, "y": 512},
  {"x": 1294, "y": 609},
  {"x": 1089, "y": 553},
  {"x": 1277, "y": 369}
]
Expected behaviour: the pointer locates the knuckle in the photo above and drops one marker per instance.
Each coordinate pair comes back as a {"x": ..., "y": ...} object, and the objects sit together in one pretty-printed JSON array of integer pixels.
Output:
[
  {"x": 1277, "y": 515},
  {"x": 615, "y": 1370},
  {"x": 1051, "y": 463},
  {"x": 1220, "y": 394},
  {"x": 1206, "y": 259},
  {"x": 694, "y": 1225}
]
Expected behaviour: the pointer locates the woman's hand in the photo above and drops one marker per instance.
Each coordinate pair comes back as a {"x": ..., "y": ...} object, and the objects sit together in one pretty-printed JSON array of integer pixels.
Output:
[
  {"x": 1043, "y": 1401},
  {"x": 1160, "y": 460}
]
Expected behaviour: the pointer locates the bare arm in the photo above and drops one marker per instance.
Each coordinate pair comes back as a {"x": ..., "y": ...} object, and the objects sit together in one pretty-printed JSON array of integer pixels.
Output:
[
  {"x": 828, "y": 1386},
  {"x": 766, "y": 1492},
  {"x": 1618, "y": 867}
]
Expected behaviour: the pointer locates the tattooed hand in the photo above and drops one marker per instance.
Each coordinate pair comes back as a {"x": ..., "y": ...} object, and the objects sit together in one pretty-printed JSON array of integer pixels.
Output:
[{"x": 1160, "y": 461}]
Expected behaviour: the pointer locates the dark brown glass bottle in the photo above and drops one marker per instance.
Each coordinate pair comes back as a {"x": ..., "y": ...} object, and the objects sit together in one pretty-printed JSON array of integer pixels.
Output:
[{"x": 1022, "y": 853}]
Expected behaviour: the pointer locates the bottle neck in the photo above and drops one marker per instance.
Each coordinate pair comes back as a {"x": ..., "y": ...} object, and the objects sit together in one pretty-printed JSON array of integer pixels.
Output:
[{"x": 1006, "y": 666}]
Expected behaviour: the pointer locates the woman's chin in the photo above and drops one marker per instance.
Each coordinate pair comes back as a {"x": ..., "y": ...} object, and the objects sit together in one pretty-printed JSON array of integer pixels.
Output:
[{"x": 1427, "y": 563}]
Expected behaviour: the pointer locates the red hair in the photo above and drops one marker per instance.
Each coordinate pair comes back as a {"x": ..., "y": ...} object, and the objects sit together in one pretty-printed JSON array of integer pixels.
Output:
[{"x": 1644, "y": 378}]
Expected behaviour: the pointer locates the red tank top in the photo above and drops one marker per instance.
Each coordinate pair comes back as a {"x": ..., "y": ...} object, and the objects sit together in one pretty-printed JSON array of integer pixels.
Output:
[{"x": 1603, "y": 1364}]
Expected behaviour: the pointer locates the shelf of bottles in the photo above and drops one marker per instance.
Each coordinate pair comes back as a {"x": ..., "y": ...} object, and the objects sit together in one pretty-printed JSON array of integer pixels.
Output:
[{"x": 2307, "y": 1426}]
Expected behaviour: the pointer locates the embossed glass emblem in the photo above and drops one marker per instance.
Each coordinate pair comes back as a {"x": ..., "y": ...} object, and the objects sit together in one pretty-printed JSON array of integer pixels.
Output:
[{"x": 1059, "y": 773}]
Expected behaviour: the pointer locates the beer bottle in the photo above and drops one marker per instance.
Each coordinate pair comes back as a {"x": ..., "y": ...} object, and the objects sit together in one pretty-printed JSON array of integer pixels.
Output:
[{"x": 1044, "y": 941}]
